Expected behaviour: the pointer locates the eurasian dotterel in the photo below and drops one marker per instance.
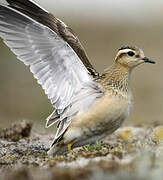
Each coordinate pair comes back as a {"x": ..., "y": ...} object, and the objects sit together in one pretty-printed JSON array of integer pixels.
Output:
[{"x": 87, "y": 105}]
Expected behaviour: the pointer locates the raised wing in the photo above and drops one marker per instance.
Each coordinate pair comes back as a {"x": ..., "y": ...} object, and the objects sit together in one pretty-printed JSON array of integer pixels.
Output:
[
  {"x": 31, "y": 9},
  {"x": 52, "y": 61}
]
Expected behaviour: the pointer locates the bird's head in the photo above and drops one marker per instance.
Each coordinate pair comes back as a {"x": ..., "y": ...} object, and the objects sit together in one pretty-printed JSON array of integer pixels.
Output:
[{"x": 130, "y": 56}]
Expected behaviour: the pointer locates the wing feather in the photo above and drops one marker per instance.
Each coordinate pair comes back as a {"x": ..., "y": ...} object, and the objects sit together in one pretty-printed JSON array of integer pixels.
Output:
[
  {"x": 33, "y": 10},
  {"x": 51, "y": 60},
  {"x": 53, "y": 63}
]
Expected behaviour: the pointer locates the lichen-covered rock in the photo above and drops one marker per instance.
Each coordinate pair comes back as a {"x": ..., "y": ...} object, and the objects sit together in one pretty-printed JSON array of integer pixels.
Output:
[
  {"x": 17, "y": 131},
  {"x": 158, "y": 134}
]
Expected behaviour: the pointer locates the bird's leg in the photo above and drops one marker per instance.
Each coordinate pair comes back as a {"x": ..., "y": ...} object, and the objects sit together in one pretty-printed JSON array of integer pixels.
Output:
[{"x": 69, "y": 148}]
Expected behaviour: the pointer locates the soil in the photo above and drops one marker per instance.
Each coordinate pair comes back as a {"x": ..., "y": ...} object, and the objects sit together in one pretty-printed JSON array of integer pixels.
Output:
[{"x": 130, "y": 153}]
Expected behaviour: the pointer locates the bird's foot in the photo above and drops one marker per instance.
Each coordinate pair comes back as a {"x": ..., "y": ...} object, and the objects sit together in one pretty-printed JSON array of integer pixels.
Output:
[{"x": 69, "y": 146}]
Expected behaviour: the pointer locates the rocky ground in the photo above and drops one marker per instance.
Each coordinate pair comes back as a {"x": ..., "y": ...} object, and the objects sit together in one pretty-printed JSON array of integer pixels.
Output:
[{"x": 130, "y": 153}]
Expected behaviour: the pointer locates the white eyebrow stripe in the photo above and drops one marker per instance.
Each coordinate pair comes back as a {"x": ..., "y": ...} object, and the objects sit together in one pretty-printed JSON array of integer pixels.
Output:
[{"x": 125, "y": 50}]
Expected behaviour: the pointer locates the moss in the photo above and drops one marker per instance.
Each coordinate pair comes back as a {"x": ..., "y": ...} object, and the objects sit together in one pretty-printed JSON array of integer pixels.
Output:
[{"x": 95, "y": 147}]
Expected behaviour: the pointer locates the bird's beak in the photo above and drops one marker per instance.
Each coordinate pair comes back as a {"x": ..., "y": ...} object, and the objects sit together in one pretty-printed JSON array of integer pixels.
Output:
[{"x": 147, "y": 60}]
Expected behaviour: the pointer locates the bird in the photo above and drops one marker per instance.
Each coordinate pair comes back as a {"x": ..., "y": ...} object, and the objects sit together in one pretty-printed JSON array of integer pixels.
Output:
[{"x": 88, "y": 106}]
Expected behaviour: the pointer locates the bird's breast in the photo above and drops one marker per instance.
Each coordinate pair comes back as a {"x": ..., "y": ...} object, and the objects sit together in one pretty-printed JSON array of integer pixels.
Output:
[
  {"x": 105, "y": 110},
  {"x": 104, "y": 117}
]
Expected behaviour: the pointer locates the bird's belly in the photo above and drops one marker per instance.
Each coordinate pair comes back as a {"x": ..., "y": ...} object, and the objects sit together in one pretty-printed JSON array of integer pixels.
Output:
[
  {"x": 105, "y": 116},
  {"x": 106, "y": 110}
]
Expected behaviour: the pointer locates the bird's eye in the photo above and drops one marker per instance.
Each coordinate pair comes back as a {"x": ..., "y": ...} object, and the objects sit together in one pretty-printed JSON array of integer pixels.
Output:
[{"x": 130, "y": 53}]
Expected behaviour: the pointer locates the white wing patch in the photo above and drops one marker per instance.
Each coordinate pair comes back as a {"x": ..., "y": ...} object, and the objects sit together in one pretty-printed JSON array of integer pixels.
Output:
[{"x": 53, "y": 62}]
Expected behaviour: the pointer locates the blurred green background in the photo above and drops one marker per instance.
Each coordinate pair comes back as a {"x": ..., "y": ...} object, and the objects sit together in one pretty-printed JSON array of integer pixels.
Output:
[{"x": 103, "y": 27}]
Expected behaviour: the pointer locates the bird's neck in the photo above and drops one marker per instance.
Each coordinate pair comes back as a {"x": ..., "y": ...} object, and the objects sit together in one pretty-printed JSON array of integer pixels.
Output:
[{"x": 117, "y": 77}]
